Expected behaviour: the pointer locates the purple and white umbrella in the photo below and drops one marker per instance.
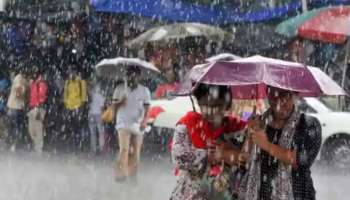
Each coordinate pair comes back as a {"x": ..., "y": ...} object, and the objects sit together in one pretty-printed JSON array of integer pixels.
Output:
[{"x": 250, "y": 77}]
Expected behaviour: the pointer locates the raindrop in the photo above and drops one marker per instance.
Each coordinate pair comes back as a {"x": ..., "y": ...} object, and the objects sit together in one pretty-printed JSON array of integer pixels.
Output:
[
  {"x": 278, "y": 106},
  {"x": 265, "y": 178},
  {"x": 214, "y": 92},
  {"x": 232, "y": 158}
]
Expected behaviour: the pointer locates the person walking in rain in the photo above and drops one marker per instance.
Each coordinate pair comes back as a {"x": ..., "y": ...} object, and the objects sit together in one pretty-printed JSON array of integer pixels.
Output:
[
  {"x": 201, "y": 149},
  {"x": 16, "y": 108},
  {"x": 284, "y": 144},
  {"x": 131, "y": 101},
  {"x": 37, "y": 99},
  {"x": 95, "y": 122}
]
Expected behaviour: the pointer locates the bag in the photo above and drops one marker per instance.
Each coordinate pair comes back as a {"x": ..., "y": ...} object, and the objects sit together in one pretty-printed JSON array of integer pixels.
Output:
[{"x": 108, "y": 115}]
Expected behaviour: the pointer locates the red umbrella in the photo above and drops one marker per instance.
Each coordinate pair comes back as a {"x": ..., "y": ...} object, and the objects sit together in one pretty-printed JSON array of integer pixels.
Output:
[{"x": 329, "y": 25}]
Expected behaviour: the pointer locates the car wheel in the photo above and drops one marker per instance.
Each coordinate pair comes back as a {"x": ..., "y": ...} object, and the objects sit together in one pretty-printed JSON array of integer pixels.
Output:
[{"x": 337, "y": 152}]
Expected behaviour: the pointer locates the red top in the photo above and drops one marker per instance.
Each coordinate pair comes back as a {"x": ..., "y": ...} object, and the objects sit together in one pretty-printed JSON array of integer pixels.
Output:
[
  {"x": 38, "y": 93},
  {"x": 200, "y": 132}
]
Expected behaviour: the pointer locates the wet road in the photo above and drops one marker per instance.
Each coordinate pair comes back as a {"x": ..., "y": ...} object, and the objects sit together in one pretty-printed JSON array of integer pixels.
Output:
[{"x": 27, "y": 177}]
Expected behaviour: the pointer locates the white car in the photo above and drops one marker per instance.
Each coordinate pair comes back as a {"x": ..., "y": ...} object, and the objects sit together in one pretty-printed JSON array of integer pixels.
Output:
[
  {"x": 335, "y": 125},
  {"x": 335, "y": 131}
]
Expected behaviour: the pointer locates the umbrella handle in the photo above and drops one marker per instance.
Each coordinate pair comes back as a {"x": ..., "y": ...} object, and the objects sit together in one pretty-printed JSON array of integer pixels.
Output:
[
  {"x": 193, "y": 107},
  {"x": 125, "y": 84}
]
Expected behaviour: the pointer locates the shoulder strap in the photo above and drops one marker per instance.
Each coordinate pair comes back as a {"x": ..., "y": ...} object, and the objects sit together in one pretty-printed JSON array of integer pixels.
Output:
[{"x": 80, "y": 90}]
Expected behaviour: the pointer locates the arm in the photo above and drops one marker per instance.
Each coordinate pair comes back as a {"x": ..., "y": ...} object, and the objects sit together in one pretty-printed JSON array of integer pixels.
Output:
[
  {"x": 146, "y": 108},
  {"x": 185, "y": 156},
  {"x": 230, "y": 152},
  {"x": 288, "y": 157},
  {"x": 146, "y": 105},
  {"x": 233, "y": 156},
  {"x": 227, "y": 153},
  {"x": 308, "y": 143},
  {"x": 236, "y": 153},
  {"x": 117, "y": 104}
]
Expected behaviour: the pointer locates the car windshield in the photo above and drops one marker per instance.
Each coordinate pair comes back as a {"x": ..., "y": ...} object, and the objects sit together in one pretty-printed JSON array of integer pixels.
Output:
[{"x": 336, "y": 103}]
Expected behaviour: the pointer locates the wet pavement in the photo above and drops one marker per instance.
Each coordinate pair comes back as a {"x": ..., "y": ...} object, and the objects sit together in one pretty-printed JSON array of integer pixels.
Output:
[{"x": 29, "y": 177}]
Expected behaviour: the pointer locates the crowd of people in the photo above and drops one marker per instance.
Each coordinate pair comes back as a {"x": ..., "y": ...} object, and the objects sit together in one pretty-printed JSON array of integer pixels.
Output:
[
  {"x": 37, "y": 116},
  {"x": 50, "y": 99}
]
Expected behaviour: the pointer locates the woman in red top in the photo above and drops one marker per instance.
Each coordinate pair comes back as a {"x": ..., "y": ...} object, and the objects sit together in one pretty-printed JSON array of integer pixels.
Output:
[{"x": 199, "y": 150}]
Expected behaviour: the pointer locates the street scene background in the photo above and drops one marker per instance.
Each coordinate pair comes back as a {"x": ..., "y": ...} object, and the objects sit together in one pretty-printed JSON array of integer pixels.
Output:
[{"x": 61, "y": 61}]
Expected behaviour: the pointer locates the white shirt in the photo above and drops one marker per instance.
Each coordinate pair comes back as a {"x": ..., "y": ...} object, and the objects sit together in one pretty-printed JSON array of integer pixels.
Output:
[
  {"x": 130, "y": 115},
  {"x": 14, "y": 101},
  {"x": 97, "y": 101}
]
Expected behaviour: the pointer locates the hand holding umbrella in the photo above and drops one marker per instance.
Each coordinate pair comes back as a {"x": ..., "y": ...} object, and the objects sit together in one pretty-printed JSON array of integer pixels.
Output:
[{"x": 256, "y": 130}]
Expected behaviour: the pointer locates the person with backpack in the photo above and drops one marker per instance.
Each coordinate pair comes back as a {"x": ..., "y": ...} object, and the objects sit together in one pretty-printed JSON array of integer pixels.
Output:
[{"x": 37, "y": 99}]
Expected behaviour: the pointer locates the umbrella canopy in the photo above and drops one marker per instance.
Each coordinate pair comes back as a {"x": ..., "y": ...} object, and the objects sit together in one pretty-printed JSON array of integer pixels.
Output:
[
  {"x": 116, "y": 68},
  {"x": 327, "y": 84},
  {"x": 166, "y": 113},
  {"x": 290, "y": 27},
  {"x": 331, "y": 24},
  {"x": 249, "y": 77},
  {"x": 223, "y": 56},
  {"x": 180, "y": 31}
]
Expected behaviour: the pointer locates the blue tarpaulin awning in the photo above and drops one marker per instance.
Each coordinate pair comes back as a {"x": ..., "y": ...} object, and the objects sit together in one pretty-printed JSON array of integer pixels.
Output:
[{"x": 178, "y": 10}]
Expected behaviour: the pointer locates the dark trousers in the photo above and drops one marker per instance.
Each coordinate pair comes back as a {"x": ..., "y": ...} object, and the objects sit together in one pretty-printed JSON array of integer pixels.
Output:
[
  {"x": 76, "y": 133},
  {"x": 17, "y": 134}
]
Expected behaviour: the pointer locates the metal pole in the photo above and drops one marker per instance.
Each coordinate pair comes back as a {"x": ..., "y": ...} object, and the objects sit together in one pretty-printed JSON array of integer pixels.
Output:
[
  {"x": 304, "y": 5},
  {"x": 347, "y": 51}
]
